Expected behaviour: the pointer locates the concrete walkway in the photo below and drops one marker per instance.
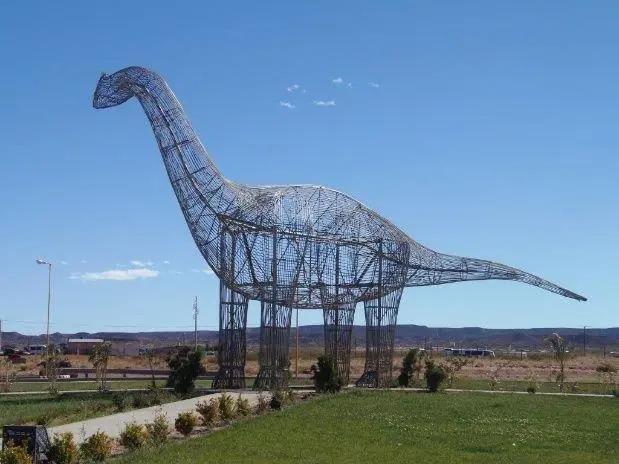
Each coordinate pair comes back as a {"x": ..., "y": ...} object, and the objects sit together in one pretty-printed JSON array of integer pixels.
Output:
[{"x": 114, "y": 424}]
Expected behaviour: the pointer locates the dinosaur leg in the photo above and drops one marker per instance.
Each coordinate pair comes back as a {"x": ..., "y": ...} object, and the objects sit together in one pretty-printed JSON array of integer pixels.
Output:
[
  {"x": 338, "y": 323},
  {"x": 231, "y": 354},
  {"x": 380, "y": 319},
  {"x": 274, "y": 347}
]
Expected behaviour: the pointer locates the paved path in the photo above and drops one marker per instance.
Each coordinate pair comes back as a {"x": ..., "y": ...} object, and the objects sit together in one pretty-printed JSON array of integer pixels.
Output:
[{"x": 114, "y": 424}]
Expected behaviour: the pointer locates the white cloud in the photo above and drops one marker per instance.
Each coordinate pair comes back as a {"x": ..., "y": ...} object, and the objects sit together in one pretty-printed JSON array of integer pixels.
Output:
[
  {"x": 337, "y": 80},
  {"x": 137, "y": 263},
  {"x": 176, "y": 272},
  {"x": 293, "y": 87},
  {"x": 350, "y": 85},
  {"x": 83, "y": 261},
  {"x": 208, "y": 271},
  {"x": 166, "y": 262},
  {"x": 64, "y": 263},
  {"x": 195, "y": 270},
  {"x": 324, "y": 103},
  {"x": 375, "y": 85},
  {"x": 116, "y": 274},
  {"x": 286, "y": 104}
]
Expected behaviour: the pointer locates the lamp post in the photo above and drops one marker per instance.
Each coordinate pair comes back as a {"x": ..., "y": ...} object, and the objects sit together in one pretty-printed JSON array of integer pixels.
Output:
[{"x": 49, "y": 295}]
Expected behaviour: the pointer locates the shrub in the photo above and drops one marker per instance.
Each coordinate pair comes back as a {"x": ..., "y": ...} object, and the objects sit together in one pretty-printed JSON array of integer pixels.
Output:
[
  {"x": 120, "y": 400},
  {"x": 63, "y": 449},
  {"x": 140, "y": 400},
  {"x": 531, "y": 389},
  {"x": 13, "y": 454},
  {"x": 410, "y": 364},
  {"x": 326, "y": 377},
  {"x": 185, "y": 422},
  {"x": 435, "y": 375},
  {"x": 133, "y": 436},
  {"x": 494, "y": 378},
  {"x": 242, "y": 406},
  {"x": 158, "y": 431},
  {"x": 185, "y": 367},
  {"x": 227, "y": 407},
  {"x": 96, "y": 447},
  {"x": 209, "y": 411},
  {"x": 262, "y": 405},
  {"x": 278, "y": 399},
  {"x": 290, "y": 397}
]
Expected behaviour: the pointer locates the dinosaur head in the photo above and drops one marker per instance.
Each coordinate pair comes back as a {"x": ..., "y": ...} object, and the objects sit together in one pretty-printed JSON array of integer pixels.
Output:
[{"x": 112, "y": 90}]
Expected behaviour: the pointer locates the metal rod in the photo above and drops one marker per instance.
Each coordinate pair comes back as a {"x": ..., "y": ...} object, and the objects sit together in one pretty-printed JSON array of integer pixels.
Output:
[{"x": 49, "y": 299}]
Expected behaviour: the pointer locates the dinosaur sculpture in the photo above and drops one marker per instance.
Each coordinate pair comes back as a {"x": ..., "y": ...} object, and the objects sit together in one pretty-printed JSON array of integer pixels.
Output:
[{"x": 293, "y": 246}]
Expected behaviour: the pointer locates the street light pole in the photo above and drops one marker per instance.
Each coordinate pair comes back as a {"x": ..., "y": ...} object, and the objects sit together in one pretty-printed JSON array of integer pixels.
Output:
[{"x": 49, "y": 297}]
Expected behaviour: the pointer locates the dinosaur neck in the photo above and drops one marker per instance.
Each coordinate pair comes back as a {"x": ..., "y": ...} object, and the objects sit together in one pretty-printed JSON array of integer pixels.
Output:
[{"x": 197, "y": 183}]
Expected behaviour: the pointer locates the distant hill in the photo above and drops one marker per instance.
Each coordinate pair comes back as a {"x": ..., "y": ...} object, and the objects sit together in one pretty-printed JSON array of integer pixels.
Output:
[{"x": 312, "y": 335}]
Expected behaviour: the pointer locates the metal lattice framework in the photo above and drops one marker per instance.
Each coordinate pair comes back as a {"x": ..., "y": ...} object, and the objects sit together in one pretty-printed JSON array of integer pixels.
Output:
[{"x": 300, "y": 246}]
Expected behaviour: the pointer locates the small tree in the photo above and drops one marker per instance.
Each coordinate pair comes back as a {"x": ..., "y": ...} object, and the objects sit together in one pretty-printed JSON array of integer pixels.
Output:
[
  {"x": 561, "y": 353},
  {"x": 452, "y": 366},
  {"x": 7, "y": 374},
  {"x": 149, "y": 355},
  {"x": 185, "y": 367},
  {"x": 435, "y": 375},
  {"x": 411, "y": 364},
  {"x": 99, "y": 357},
  {"x": 326, "y": 377}
]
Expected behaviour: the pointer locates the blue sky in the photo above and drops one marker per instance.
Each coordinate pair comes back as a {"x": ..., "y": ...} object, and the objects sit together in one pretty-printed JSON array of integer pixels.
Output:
[{"x": 480, "y": 129}]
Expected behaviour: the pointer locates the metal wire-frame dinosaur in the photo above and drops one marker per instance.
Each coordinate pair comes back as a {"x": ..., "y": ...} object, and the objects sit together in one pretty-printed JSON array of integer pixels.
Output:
[{"x": 292, "y": 246}]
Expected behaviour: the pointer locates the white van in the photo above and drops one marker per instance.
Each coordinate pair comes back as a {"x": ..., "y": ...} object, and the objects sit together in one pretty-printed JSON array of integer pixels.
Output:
[{"x": 36, "y": 349}]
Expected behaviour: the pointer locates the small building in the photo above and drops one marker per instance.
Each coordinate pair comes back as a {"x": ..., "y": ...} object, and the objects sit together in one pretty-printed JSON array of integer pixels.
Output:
[{"x": 82, "y": 345}]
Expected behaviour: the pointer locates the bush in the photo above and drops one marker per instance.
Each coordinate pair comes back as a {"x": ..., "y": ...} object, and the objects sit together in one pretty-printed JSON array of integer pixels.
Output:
[
  {"x": 133, "y": 436},
  {"x": 140, "y": 400},
  {"x": 435, "y": 375},
  {"x": 185, "y": 422},
  {"x": 410, "y": 364},
  {"x": 120, "y": 400},
  {"x": 96, "y": 447},
  {"x": 63, "y": 449},
  {"x": 185, "y": 367},
  {"x": 531, "y": 389},
  {"x": 209, "y": 411},
  {"x": 227, "y": 407},
  {"x": 605, "y": 368},
  {"x": 262, "y": 405},
  {"x": 242, "y": 406},
  {"x": 278, "y": 399},
  {"x": 326, "y": 377},
  {"x": 13, "y": 454},
  {"x": 158, "y": 431}
]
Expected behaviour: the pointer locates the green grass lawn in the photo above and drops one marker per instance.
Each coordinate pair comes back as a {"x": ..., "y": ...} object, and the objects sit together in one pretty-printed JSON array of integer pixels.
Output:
[
  {"x": 69, "y": 385},
  {"x": 66, "y": 408},
  {"x": 53, "y": 410},
  {"x": 391, "y": 426}
]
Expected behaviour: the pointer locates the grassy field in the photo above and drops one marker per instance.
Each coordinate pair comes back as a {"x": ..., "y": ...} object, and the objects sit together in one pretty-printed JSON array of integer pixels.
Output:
[
  {"x": 370, "y": 427},
  {"x": 53, "y": 410}
]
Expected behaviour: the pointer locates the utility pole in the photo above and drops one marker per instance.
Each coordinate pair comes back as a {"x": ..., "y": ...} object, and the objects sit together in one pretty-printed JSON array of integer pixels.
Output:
[
  {"x": 195, "y": 320},
  {"x": 584, "y": 338}
]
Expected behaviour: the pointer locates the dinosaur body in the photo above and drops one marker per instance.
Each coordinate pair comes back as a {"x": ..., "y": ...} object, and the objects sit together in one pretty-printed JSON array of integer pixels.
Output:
[{"x": 289, "y": 246}]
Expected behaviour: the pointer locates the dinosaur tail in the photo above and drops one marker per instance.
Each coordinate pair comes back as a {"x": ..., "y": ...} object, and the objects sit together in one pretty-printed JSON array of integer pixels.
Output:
[{"x": 438, "y": 268}]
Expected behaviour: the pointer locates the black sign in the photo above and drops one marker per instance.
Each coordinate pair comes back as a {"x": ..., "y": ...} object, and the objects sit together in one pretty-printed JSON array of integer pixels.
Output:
[{"x": 34, "y": 436}]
